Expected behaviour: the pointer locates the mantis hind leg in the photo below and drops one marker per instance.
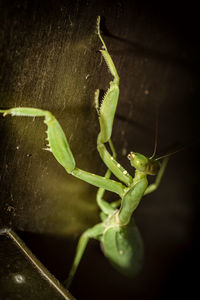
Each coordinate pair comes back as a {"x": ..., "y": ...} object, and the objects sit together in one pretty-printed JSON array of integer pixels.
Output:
[{"x": 94, "y": 232}]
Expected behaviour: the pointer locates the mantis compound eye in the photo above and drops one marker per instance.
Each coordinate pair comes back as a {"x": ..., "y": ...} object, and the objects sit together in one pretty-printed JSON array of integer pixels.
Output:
[{"x": 131, "y": 155}]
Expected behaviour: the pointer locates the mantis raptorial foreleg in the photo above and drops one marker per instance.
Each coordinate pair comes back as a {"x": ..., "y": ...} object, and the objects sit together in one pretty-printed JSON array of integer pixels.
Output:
[
  {"x": 58, "y": 145},
  {"x": 106, "y": 113},
  {"x": 103, "y": 205},
  {"x": 56, "y": 140}
]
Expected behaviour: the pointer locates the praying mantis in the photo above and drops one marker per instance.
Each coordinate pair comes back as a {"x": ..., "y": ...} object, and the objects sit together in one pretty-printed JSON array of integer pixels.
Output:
[{"x": 117, "y": 232}]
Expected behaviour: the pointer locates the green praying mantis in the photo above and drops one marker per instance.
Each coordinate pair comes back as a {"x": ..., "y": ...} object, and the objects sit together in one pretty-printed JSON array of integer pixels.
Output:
[{"x": 117, "y": 232}]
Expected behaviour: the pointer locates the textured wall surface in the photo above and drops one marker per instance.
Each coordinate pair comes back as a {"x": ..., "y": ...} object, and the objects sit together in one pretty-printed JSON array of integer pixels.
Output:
[{"x": 49, "y": 59}]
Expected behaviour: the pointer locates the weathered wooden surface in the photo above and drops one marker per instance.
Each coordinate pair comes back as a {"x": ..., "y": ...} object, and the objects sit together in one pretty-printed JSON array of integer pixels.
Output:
[{"x": 49, "y": 60}]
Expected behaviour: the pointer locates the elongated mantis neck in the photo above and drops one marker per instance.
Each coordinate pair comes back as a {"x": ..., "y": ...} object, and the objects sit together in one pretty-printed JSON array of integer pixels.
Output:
[
  {"x": 132, "y": 197},
  {"x": 138, "y": 176}
]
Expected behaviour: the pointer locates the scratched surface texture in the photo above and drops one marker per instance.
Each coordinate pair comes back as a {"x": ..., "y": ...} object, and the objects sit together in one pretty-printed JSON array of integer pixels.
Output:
[{"x": 49, "y": 59}]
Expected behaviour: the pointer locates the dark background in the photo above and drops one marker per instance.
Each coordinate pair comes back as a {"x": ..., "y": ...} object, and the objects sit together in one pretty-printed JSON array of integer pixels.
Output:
[{"x": 50, "y": 60}]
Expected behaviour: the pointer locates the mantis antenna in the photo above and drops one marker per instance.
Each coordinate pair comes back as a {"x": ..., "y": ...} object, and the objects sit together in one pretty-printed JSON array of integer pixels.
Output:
[
  {"x": 171, "y": 153},
  {"x": 156, "y": 138}
]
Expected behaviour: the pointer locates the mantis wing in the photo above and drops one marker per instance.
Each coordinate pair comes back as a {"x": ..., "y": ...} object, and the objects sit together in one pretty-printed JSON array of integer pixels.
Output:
[{"x": 123, "y": 246}]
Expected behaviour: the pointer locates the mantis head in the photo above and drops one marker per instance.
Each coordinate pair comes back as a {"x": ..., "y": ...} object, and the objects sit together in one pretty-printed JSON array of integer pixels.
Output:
[{"x": 144, "y": 164}]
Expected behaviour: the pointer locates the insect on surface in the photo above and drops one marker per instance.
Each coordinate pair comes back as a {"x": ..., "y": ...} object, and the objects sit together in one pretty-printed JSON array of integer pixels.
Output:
[{"x": 117, "y": 232}]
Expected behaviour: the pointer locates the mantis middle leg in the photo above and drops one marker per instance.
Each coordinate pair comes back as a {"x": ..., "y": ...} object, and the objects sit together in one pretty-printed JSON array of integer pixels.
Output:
[{"x": 152, "y": 187}]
